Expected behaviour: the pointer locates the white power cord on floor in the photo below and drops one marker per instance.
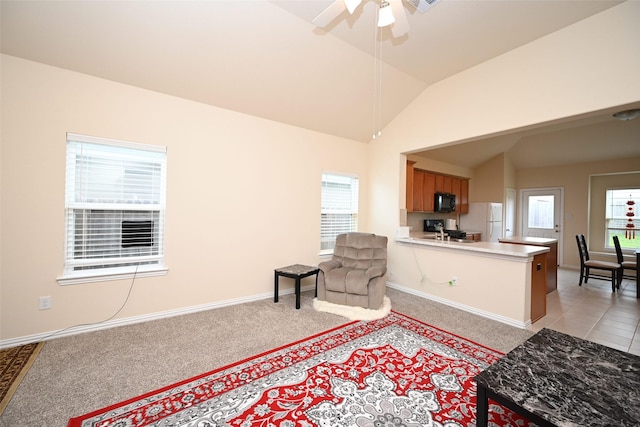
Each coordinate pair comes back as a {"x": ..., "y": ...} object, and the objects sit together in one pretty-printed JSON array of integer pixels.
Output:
[
  {"x": 423, "y": 277},
  {"x": 100, "y": 321}
]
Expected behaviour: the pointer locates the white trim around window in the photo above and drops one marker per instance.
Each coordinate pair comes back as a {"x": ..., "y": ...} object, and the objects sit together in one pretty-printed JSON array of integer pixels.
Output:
[
  {"x": 339, "y": 208},
  {"x": 115, "y": 202}
]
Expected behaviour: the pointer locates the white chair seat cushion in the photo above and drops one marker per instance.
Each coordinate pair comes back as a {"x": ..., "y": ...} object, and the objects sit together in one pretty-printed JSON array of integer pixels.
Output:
[{"x": 602, "y": 264}]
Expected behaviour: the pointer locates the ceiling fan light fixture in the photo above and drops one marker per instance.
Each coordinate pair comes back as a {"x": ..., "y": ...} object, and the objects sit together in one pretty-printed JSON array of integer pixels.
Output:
[
  {"x": 351, "y": 5},
  {"x": 385, "y": 15},
  {"x": 627, "y": 114}
]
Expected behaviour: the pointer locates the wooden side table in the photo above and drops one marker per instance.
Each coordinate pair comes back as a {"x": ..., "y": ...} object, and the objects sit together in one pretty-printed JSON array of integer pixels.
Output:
[{"x": 297, "y": 272}]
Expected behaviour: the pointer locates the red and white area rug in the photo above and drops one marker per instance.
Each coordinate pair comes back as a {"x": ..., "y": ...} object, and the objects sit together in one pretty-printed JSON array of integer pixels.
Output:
[{"x": 391, "y": 372}]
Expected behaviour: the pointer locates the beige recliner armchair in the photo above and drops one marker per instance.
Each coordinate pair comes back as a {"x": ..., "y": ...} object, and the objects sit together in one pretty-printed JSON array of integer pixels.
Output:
[{"x": 355, "y": 275}]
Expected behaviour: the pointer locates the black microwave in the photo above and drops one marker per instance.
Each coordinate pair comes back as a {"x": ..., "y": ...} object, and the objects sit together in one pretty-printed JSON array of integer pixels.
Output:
[{"x": 444, "y": 202}]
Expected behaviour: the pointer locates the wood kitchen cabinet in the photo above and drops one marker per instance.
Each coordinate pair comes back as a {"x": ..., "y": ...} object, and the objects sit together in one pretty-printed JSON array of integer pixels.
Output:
[
  {"x": 455, "y": 189},
  {"x": 418, "y": 190},
  {"x": 423, "y": 190},
  {"x": 473, "y": 235},
  {"x": 439, "y": 184},
  {"x": 538, "y": 287},
  {"x": 428, "y": 186},
  {"x": 422, "y": 185},
  {"x": 463, "y": 200},
  {"x": 460, "y": 187},
  {"x": 447, "y": 184},
  {"x": 409, "y": 189}
]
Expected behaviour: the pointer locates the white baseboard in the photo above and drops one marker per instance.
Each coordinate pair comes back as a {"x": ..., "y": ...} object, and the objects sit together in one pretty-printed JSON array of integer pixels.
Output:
[
  {"x": 74, "y": 330},
  {"x": 14, "y": 342},
  {"x": 463, "y": 307}
]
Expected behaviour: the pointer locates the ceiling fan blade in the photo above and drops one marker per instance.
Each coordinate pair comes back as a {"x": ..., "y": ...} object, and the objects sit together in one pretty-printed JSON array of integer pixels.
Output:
[
  {"x": 330, "y": 13},
  {"x": 401, "y": 26}
]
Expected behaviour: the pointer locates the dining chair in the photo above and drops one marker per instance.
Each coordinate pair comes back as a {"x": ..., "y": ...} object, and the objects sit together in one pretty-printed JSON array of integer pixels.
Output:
[
  {"x": 625, "y": 265},
  {"x": 586, "y": 265}
]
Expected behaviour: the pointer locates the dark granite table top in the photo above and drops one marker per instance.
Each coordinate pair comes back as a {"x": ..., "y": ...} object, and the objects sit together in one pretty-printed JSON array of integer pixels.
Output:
[{"x": 569, "y": 381}]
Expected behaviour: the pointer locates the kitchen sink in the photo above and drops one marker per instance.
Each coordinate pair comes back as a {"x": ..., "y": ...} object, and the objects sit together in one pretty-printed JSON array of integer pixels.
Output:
[{"x": 463, "y": 240}]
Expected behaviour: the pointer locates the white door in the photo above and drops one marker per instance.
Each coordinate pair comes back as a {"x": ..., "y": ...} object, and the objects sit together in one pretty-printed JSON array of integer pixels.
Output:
[
  {"x": 510, "y": 213},
  {"x": 542, "y": 214}
]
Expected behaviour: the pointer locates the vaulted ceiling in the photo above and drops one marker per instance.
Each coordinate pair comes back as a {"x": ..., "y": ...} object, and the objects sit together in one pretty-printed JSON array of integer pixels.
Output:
[{"x": 267, "y": 59}]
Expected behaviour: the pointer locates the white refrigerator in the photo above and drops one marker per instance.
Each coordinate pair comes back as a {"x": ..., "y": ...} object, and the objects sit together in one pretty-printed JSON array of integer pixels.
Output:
[{"x": 485, "y": 218}]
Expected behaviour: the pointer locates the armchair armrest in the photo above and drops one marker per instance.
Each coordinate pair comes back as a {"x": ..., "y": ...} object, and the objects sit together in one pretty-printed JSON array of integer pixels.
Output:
[
  {"x": 327, "y": 266},
  {"x": 375, "y": 271}
]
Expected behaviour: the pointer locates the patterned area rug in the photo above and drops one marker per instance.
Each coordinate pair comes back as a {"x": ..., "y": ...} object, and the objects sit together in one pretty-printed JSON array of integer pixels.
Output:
[
  {"x": 391, "y": 372},
  {"x": 14, "y": 364}
]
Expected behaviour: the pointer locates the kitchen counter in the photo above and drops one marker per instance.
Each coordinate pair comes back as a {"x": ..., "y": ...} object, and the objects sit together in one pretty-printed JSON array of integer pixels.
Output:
[
  {"x": 502, "y": 281},
  {"x": 519, "y": 251},
  {"x": 528, "y": 240},
  {"x": 552, "y": 256}
]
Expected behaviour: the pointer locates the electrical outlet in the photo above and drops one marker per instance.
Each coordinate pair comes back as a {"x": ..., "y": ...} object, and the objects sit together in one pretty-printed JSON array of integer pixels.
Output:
[
  {"x": 453, "y": 281},
  {"x": 45, "y": 303}
]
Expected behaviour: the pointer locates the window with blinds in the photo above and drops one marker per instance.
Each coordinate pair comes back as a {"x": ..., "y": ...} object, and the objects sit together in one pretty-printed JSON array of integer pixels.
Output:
[
  {"x": 623, "y": 217},
  {"x": 115, "y": 206},
  {"x": 339, "y": 211}
]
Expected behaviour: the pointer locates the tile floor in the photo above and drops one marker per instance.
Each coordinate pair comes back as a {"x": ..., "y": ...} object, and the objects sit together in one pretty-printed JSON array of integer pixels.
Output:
[{"x": 593, "y": 312}]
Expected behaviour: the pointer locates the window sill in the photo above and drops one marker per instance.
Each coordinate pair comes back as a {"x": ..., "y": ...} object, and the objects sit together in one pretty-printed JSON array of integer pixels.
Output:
[{"x": 113, "y": 274}]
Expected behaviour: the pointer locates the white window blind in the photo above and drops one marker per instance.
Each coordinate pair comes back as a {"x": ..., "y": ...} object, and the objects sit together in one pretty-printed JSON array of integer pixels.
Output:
[
  {"x": 115, "y": 205},
  {"x": 339, "y": 208}
]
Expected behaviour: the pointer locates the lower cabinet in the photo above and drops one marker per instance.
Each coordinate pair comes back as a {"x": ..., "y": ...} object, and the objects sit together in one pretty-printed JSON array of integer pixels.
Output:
[
  {"x": 538, "y": 287},
  {"x": 474, "y": 236},
  {"x": 552, "y": 256}
]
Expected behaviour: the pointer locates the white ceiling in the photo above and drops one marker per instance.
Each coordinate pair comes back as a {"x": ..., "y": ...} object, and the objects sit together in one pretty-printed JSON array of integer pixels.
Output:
[{"x": 267, "y": 59}]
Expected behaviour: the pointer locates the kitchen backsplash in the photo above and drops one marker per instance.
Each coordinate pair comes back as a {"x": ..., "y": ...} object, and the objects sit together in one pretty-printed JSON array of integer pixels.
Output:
[{"x": 415, "y": 220}]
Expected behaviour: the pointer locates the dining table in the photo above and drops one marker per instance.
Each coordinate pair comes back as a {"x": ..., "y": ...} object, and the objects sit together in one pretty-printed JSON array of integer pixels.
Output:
[{"x": 637, "y": 273}]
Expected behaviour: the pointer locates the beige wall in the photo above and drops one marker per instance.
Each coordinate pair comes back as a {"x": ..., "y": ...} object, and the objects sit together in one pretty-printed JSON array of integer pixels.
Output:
[
  {"x": 574, "y": 179},
  {"x": 243, "y": 196},
  {"x": 440, "y": 167},
  {"x": 244, "y": 193},
  {"x": 565, "y": 74},
  {"x": 488, "y": 181}
]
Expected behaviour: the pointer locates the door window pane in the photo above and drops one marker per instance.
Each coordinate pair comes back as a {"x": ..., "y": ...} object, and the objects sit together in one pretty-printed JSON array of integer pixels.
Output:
[{"x": 541, "y": 212}]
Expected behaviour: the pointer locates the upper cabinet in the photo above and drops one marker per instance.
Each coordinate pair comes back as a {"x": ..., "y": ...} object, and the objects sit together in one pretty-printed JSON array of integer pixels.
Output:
[{"x": 422, "y": 185}]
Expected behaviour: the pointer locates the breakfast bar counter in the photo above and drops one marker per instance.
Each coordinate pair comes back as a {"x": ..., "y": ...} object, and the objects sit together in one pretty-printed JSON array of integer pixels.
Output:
[
  {"x": 552, "y": 256},
  {"x": 501, "y": 281},
  {"x": 523, "y": 252}
]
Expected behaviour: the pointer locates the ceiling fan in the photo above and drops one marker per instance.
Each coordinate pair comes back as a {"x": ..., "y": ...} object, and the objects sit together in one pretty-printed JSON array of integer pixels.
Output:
[{"x": 391, "y": 13}]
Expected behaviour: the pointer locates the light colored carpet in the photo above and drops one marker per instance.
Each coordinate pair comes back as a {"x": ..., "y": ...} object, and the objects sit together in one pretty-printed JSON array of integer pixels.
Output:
[{"x": 78, "y": 374}]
